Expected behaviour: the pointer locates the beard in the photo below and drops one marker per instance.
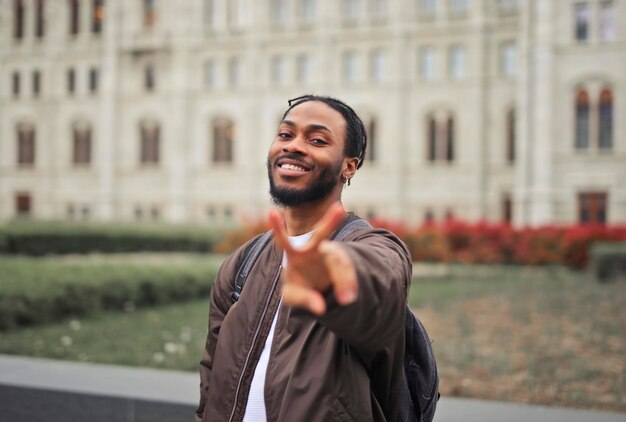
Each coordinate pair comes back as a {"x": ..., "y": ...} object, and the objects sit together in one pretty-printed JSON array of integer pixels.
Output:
[{"x": 321, "y": 187}]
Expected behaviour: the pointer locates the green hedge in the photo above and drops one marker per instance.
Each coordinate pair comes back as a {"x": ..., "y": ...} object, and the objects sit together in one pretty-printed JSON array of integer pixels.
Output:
[
  {"x": 38, "y": 290},
  {"x": 37, "y": 238},
  {"x": 608, "y": 261}
]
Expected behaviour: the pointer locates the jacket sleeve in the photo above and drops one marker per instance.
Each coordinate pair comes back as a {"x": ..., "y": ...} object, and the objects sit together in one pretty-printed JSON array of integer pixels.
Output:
[
  {"x": 384, "y": 269},
  {"x": 220, "y": 302}
]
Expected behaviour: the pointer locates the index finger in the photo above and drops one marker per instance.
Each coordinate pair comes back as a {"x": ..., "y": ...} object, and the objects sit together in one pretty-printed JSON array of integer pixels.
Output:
[
  {"x": 328, "y": 224},
  {"x": 277, "y": 223}
]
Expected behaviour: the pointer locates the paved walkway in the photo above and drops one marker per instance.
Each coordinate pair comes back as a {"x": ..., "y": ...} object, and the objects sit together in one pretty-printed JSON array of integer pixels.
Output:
[{"x": 180, "y": 390}]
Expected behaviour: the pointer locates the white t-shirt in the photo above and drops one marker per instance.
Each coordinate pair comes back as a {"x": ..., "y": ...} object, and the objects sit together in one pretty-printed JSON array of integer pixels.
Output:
[{"x": 255, "y": 409}]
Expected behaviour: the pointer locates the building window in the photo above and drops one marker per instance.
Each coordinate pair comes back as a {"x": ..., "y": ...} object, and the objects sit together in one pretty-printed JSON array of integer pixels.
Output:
[
  {"x": 349, "y": 67},
  {"x": 93, "y": 80},
  {"x": 210, "y": 15},
  {"x": 97, "y": 16},
  {"x": 84, "y": 212},
  {"x": 508, "y": 59},
  {"x": 507, "y": 209},
  {"x": 581, "y": 26},
  {"x": 25, "y": 144},
  {"x": 307, "y": 10},
  {"x": 71, "y": 81},
  {"x": 23, "y": 204},
  {"x": 458, "y": 6},
  {"x": 427, "y": 63},
  {"x": 155, "y": 213},
  {"x": 605, "y": 120},
  {"x": 377, "y": 65},
  {"x": 280, "y": 11},
  {"x": 510, "y": 136},
  {"x": 74, "y": 9},
  {"x": 149, "y": 13},
  {"x": 507, "y": 7},
  {"x": 440, "y": 136},
  {"x": 351, "y": 9},
  {"x": 449, "y": 147},
  {"x": 592, "y": 207},
  {"x": 431, "y": 136},
  {"x": 209, "y": 74},
  {"x": 278, "y": 70},
  {"x": 304, "y": 69},
  {"x": 457, "y": 62},
  {"x": 582, "y": 120},
  {"x": 150, "y": 134},
  {"x": 429, "y": 217},
  {"x": 36, "y": 83},
  {"x": 235, "y": 14},
  {"x": 81, "y": 144},
  {"x": 40, "y": 13},
  {"x": 18, "y": 19},
  {"x": 149, "y": 77},
  {"x": 427, "y": 7},
  {"x": 371, "y": 131},
  {"x": 607, "y": 22},
  {"x": 379, "y": 8},
  {"x": 15, "y": 84},
  {"x": 223, "y": 140},
  {"x": 234, "y": 72}
]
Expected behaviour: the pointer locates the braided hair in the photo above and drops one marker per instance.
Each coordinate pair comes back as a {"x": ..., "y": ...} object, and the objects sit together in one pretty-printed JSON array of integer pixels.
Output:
[{"x": 356, "y": 136}]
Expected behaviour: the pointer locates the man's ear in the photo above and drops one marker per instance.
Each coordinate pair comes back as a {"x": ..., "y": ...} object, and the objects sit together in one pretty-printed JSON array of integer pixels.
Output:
[{"x": 349, "y": 167}]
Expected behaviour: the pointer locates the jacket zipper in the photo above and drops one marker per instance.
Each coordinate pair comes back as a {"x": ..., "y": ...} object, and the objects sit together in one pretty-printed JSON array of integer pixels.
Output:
[{"x": 254, "y": 340}]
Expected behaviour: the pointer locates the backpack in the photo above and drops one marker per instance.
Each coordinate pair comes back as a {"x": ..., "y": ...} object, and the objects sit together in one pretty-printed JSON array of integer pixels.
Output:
[{"x": 420, "y": 389}]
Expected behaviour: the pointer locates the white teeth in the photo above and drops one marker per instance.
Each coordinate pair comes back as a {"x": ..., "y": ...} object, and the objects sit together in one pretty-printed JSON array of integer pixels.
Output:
[{"x": 293, "y": 167}]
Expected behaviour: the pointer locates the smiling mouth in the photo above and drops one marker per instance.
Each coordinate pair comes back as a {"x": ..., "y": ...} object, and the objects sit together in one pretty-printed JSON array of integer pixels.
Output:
[{"x": 292, "y": 167}]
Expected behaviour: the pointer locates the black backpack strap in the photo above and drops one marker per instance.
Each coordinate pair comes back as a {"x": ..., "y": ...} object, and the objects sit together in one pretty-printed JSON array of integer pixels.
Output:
[
  {"x": 249, "y": 258},
  {"x": 253, "y": 251},
  {"x": 351, "y": 224}
]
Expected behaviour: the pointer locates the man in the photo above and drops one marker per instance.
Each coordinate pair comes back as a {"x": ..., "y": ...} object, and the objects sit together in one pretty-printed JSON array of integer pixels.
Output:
[{"x": 318, "y": 331}]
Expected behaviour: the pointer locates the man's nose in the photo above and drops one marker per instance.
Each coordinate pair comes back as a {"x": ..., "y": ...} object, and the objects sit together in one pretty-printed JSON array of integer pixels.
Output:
[{"x": 296, "y": 145}]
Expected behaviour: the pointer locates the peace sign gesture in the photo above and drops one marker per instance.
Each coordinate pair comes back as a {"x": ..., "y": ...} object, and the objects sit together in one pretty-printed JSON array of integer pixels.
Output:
[{"x": 317, "y": 267}]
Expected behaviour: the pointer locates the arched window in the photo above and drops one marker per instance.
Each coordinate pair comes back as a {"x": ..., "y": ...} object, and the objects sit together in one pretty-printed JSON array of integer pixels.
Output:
[
  {"x": 209, "y": 14},
  {"x": 507, "y": 208},
  {"x": 440, "y": 137},
  {"x": 582, "y": 120},
  {"x": 431, "y": 135},
  {"x": 25, "y": 144},
  {"x": 371, "y": 131},
  {"x": 149, "y": 142},
  {"x": 39, "y": 18},
  {"x": 74, "y": 9},
  {"x": 149, "y": 13},
  {"x": 449, "y": 149},
  {"x": 605, "y": 120},
  {"x": 510, "y": 136},
  {"x": 18, "y": 19},
  {"x": 223, "y": 137},
  {"x": 81, "y": 143},
  {"x": 97, "y": 16}
]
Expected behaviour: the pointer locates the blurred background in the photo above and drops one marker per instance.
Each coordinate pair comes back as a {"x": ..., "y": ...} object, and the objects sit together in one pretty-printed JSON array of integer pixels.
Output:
[{"x": 133, "y": 140}]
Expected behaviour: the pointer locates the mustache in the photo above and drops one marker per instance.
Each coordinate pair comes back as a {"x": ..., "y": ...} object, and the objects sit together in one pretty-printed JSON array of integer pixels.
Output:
[{"x": 294, "y": 157}]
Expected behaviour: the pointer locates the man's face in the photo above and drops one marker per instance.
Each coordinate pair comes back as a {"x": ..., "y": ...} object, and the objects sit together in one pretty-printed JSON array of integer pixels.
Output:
[{"x": 306, "y": 159}]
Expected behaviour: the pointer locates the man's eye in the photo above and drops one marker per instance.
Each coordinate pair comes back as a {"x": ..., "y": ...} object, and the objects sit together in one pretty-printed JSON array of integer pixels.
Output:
[
  {"x": 284, "y": 135},
  {"x": 318, "y": 141}
]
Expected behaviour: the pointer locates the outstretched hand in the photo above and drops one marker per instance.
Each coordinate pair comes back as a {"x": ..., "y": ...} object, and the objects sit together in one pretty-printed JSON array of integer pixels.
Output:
[{"x": 319, "y": 266}]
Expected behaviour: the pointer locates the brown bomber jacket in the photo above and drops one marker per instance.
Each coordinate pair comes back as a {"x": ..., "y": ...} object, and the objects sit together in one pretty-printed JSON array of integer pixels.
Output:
[{"x": 344, "y": 366}]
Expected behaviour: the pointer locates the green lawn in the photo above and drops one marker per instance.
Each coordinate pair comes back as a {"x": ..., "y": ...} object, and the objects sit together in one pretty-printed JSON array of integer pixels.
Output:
[{"x": 542, "y": 336}]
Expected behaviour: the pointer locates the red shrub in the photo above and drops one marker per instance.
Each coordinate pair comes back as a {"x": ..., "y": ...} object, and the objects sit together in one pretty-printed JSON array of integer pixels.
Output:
[{"x": 480, "y": 243}]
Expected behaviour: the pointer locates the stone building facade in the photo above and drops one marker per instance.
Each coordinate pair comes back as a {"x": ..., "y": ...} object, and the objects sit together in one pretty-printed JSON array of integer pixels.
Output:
[{"x": 154, "y": 109}]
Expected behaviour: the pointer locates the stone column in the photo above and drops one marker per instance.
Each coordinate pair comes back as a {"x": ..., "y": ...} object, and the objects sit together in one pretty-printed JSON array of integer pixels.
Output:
[
  {"x": 540, "y": 135},
  {"x": 107, "y": 132}
]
